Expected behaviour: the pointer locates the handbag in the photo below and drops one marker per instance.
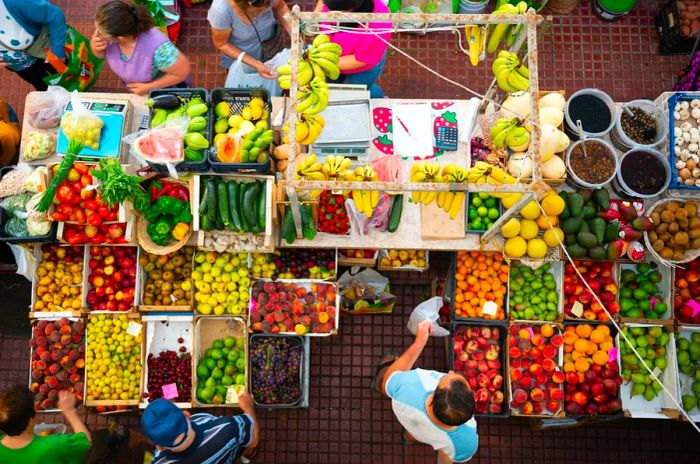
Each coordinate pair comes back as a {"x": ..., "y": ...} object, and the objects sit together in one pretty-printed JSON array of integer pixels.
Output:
[
  {"x": 271, "y": 46},
  {"x": 41, "y": 44}
]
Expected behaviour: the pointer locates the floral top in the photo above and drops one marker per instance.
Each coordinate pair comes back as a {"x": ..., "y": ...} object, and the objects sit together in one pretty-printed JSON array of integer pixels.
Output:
[{"x": 164, "y": 57}]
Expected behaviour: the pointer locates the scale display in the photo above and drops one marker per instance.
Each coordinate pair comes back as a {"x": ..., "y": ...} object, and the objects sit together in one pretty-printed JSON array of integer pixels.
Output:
[{"x": 113, "y": 116}]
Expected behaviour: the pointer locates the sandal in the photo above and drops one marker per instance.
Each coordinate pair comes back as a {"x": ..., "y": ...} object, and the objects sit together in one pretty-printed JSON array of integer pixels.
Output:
[{"x": 392, "y": 356}]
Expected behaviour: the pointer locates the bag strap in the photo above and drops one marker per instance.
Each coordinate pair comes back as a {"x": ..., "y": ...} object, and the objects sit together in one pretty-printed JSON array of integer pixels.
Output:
[{"x": 252, "y": 24}]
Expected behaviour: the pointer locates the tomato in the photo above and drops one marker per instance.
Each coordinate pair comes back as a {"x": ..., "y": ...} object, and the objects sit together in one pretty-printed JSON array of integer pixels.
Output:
[
  {"x": 82, "y": 168},
  {"x": 73, "y": 175},
  {"x": 112, "y": 216},
  {"x": 97, "y": 239},
  {"x": 86, "y": 194},
  {"x": 65, "y": 208},
  {"x": 77, "y": 187},
  {"x": 115, "y": 231},
  {"x": 64, "y": 194},
  {"x": 85, "y": 179},
  {"x": 94, "y": 219},
  {"x": 103, "y": 211},
  {"x": 79, "y": 215},
  {"x": 60, "y": 217},
  {"x": 91, "y": 205}
]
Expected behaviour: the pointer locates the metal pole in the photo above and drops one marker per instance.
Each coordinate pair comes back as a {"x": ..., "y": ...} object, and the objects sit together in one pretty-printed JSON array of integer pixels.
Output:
[
  {"x": 535, "y": 96},
  {"x": 507, "y": 214}
]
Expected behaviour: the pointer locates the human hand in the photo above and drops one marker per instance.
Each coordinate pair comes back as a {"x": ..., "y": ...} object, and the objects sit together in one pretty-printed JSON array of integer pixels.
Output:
[
  {"x": 66, "y": 401},
  {"x": 139, "y": 88},
  {"x": 3, "y": 64},
  {"x": 423, "y": 331},
  {"x": 245, "y": 401},
  {"x": 97, "y": 43},
  {"x": 264, "y": 71}
]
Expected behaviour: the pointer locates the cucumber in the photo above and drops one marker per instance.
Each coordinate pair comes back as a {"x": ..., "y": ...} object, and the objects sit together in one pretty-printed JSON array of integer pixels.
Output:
[
  {"x": 241, "y": 209},
  {"x": 203, "y": 202},
  {"x": 222, "y": 199},
  {"x": 262, "y": 196},
  {"x": 206, "y": 225},
  {"x": 395, "y": 216},
  {"x": 249, "y": 198},
  {"x": 211, "y": 200},
  {"x": 233, "y": 207},
  {"x": 307, "y": 220},
  {"x": 288, "y": 231}
]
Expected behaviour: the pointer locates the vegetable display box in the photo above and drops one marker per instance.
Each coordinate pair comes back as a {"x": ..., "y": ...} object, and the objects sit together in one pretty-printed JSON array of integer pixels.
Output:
[
  {"x": 280, "y": 367},
  {"x": 165, "y": 281},
  {"x": 5, "y": 217}
]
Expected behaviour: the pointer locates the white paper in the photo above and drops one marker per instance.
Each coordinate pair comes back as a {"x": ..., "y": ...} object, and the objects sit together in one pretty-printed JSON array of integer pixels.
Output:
[
  {"x": 418, "y": 141},
  {"x": 133, "y": 329},
  {"x": 577, "y": 309},
  {"x": 490, "y": 308}
]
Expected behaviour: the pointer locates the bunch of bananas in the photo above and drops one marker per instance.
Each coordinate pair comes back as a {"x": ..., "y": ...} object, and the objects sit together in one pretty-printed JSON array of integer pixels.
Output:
[
  {"x": 511, "y": 75},
  {"x": 484, "y": 173},
  {"x": 324, "y": 55},
  {"x": 508, "y": 132},
  {"x": 365, "y": 200},
  {"x": 500, "y": 30},
  {"x": 451, "y": 202},
  {"x": 308, "y": 128},
  {"x": 335, "y": 166},
  {"x": 425, "y": 172},
  {"x": 476, "y": 38},
  {"x": 309, "y": 168}
]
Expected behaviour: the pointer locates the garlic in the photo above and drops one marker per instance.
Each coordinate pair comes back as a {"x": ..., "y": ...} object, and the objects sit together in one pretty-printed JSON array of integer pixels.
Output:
[
  {"x": 685, "y": 154},
  {"x": 686, "y": 126},
  {"x": 676, "y": 115},
  {"x": 694, "y": 157},
  {"x": 694, "y": 130},
  {"x": 695, "y": 103},
  {"x": 685, "y": 114},
  {"x": 693, "y": 147},
  {"x": 696, "y": 173},
  {"x": 679, "y": 141},
  {"x": 695, "y": 113},
  {"x": 678, "y": 129},
  {"x": 695, "y": 138},
  {"x": 677, "y": 107},
  {"x": 684, "y": 105},
  {"x": 686, "y": 137},
  {"x": 697, "y": 182},
  {"x": 680, "y": 164}
]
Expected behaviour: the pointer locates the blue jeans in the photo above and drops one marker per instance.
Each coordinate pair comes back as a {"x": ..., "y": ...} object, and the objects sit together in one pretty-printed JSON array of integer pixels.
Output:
[{"x": 367, "y": 78}]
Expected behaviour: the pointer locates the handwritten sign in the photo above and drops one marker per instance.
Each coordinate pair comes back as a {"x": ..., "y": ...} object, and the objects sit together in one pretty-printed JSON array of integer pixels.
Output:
[
  {"x": 170, "y": 391},
  {"x": 577, "y": 309},
  {"x": 613, "y": 353},
  {"x": 133, "y": 329},
  {"x": 490, "y": 308},
  {"x": 231, "y": 395},
  {"x": 530, "y": 331}
]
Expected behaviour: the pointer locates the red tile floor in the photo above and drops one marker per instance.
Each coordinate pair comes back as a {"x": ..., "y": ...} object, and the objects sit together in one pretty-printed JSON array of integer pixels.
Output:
[{"x": 346, "y": 422}]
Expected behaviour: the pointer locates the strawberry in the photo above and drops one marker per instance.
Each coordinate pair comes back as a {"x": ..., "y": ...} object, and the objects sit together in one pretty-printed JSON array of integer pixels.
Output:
[
  {"x": 382, "y": 119},
  {"x": 384, "y": 144},
  {"x": 441, "y": 105}
]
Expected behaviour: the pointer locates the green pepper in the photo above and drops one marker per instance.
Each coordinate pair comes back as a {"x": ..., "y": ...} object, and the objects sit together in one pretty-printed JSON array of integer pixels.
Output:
[
  {"x": 152, "y": 214},
  {"x": 184, "y": 216},
  {"x": 170, "y": 205},
  {"x": 163, "y": 227},
  {"x": 141, "y": 201},
  {"x": 160, "y": 240}
]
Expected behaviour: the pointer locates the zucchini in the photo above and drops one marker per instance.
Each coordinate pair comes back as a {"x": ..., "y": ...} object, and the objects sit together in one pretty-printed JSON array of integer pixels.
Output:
[
  {"x": 395, "y": 216},
  {"x": 211, "y": 200},
  {"x": 288, "y": 230},
  {"x": 241, "y": 211},
  {"x": 262, "y": 196},
  {"x": 206, "y": 225},
  {"x": 222, "y": 199},
  {"x": 251, "y": 194},
  {"x": 307, "y": 222},
  {"x": 233, "y": 207},
  {"x": 203, "y": 202}
]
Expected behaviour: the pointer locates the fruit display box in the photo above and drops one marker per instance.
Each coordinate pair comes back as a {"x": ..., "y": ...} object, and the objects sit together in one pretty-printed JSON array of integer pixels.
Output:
[
  {"x": 345, "y": 260},
  {"x": 166, "y": 333},
  {"x": 385, "y": 254},
  {"x": 41, "y": 314},
  {"x": 689, "y": 384},
  {"x": 662, "y": 406},
  {"x": 304, "y": 371},
  {"x": 129, "y": 233},
  {"x": 557, "y": 369},
  {"x": 307, "y": 264},
  {"x": 279, "y": 312},
  {"x": 557, "y": 270},
  {"x": 207, "y": 329},
  {"x": 458, "y": 344},
  {"x": 142, "y": 276},
  {"x": 571, "y": 286},
  {"x": 686, "y": 286},
  {"x": 89, "y": 288},
  {"x": 452, "y": 290},
  {"x": 69, "y": 358},
  {"x": 478, "y": 212},
  {"x": 267, "y": 244},
  {"x": 665, "y": 286}
]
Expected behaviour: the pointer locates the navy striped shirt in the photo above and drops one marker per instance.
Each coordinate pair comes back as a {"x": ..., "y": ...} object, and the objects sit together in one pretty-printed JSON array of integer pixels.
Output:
[{"x": 219, "y": 440}]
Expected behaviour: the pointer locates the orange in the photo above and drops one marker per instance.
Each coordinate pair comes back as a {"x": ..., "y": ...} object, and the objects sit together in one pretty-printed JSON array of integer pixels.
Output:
[
  {"x": 570, "y": 337},
  {"x": 606, "y": 345},
  {"x": 604, "y": 328},
  {"x": 581, "y": 345},
  {"x": 569, "y": 367},
  {"x": 582, "y": 365},
  {"x": 583, "y": 330},
  {"x": 600, "y": 357},
  {"x": 547, "y": 330},
  {"x": 577, "y": 355},
  {"x": 568, "y": 348},
  {"x": 597, "y": 336}
]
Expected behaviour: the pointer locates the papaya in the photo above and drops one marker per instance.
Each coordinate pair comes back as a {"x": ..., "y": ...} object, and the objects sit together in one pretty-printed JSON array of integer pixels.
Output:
[{"x": 228, "y": 150}]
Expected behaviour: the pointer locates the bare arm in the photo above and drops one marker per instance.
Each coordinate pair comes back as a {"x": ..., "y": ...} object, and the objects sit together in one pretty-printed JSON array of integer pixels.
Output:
[
  {"x": 66, "y": 403},
  {"x": 443, "y": 458},
  {"x": 245, "y": 401},
  {"x": 174, "y": 74},
  {"x": 279, "y": 10},
  {"x": 406, "y": 361},
  {"x": 220, "y": 39},
  {"x": 349, "y": 62},
  {"x": 319, "y": 6}
]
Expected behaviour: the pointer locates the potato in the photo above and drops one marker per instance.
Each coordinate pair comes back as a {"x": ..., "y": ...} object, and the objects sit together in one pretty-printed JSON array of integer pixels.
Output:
[
  {"x": 681, "y": 238},
  {"x": 652, "y": 236},
  {"x": 666, "y": 253},
  {"x": 672, "y": 206},
  {"x": 655, "y": 217},
  {"x": 668, "y": 216},
  {"x": 695, "y": 243},
  {"x": 694, "y": 233},
  {"x": 666, "y": 237},
  {"x": 678, "y": 255},
  {"x": 662, "y": 228},
  {"x": 681, "y": 213},
  {"x": 657, "y": 245},
  {"x": 683, "y": 223},
  {"x": 694, "y": 223},
  {"x": 692, "y": 208},
  {"x": 673, "y": 227}
]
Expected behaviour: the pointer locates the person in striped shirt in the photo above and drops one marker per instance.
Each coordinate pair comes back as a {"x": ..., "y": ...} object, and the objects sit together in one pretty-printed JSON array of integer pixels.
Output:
[{"x": 201, "y": 438}]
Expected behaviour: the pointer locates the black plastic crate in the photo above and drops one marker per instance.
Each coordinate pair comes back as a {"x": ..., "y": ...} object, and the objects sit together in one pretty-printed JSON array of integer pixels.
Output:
[
  {"x": 238, "y": 99},
  {"x": 186, "y": 95},
  {"x": 502, "y": 343},
  {"x": 4, "y": 217},
  {"x": 473, "y": 320},
  {"x": 668, "y": 26},
  {"x": 302, "y": 374},
  {"x": 499, "y": 206}
]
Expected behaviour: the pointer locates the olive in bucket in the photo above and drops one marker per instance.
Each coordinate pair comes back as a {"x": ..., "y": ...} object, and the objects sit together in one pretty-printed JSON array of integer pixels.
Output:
[
  {"x": 592, "y": 167},
  {"x": 644, "y": 173}
]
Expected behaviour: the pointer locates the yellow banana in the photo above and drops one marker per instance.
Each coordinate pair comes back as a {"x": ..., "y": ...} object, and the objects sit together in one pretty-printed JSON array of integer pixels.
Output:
[
  {"x": 441, "y": 199},
  {"x": 374, "y": 198},
  {"x": 357, "y": 197},
  {"x": 473, "y": 34},
  {"x": 285, "y": 69},
  {"x": 456, "y": 204},
  {"x": 329, "y": 47},
  {"x": 285, "y": 81},
  {"x": 302, "y": 131},
  {"x": 320, "y": 39},
  {"x": 367, "y": 203},
  {"x": 329, "y": 68},
  {"x": 429, "y": 197},
  {"x": 449, "y": 198},
  {"x": 317, "y": 71}
]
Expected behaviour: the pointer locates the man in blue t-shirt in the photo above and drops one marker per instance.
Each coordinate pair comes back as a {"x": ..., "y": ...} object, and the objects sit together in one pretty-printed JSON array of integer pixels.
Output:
[
  {"x": 433, "y": 407},
  {"x": 199, "y": 438}
]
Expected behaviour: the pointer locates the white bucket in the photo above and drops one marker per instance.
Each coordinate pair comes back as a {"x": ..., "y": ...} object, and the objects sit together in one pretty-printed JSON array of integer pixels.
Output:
[
  {"x": 622, "y": 188},
  {"x": 623, "y": 142},
  {"x": 574, "y": 180},
  {"x": 570, "y": 126},
  {"x": 467, "y": 7}
]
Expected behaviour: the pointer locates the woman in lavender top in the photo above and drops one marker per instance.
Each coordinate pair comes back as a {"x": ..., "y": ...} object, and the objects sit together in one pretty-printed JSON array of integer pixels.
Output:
[{"x": 138, "y": 53}]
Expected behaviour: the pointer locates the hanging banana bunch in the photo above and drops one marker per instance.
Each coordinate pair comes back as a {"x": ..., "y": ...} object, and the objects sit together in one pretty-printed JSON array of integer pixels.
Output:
[
  {"x": 451, "y": 202},
  {"x": 365, "y": 200},
  {"x": 308, "y": 128},
  {"x": 425, "y": 172},
  {"x": 335, "y": 166},
  {"x": 500, "y": 30}
]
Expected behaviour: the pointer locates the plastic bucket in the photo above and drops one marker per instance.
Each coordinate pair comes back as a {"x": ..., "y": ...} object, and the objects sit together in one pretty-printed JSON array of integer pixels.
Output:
[
  {"x": 623, "y": 142},
  {"x": 612, "y": 9},
  {"x": 467, "y": 7},
  {"x": 622, "y": 189},
  {"x": 570, "y": 125},
  {"x": 574, "y": 181}
]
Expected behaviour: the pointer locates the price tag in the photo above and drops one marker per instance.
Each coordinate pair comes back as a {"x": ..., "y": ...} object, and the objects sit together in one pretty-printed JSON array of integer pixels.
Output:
[
  {"x": 490, "y": 308},
  {"x": 231, "y": 395},
  {"x": 657, "y": 372},
  {"x": 530, "y": 331},
  {"x": 577, "y": 309},
  {"x": 170, "y": 391},
  {"x": 613, "y": 353},
  {"x": 133, "y": 329},
  {"x": 652, "y": 302},
  {"x": 695, "y": 306}
]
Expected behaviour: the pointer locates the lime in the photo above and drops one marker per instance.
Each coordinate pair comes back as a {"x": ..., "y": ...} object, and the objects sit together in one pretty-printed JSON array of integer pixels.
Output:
[
  {"x": 226, "y": 380},
  {"x": 229, "y": 342},
  {"x": 230, "y": 369},
  {"x": 483, "y": 195},
  {"x": 493, "y": 213},
  {"x": 240, "y": 343},
  {"x": 472, "y": 213},
  {"x": 217, "y": 374},
  {"x": 240, "y": 364},
  {"x": 477, "y": 225},
  {"x": 210, "y": 363},
  {"x": 216, "y": 354},
  {"x": 202, "y": 372},
  {"x": 476, "y": 201},
  {"x": 490, "y": 202},
  {"x": 482, "y": 211},
  {"x": 232, "y": 356},
  {"x": 240, "y": 379},
  {"x": 218, "y": 344}
]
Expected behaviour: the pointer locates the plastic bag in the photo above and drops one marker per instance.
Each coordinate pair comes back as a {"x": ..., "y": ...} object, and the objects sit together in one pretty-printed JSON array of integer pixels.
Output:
[
  {"x": 361, "y": 225},
  {"x": 38, "y": 145},
  {"x": 162, "y": 145},
  {"x": 81, "y": 68},
  {"x": 80, "y": 123},
  {"x": 242, "y": 76},
  {"x": 36, "y": 181},
  {"x": 45, "y": 111},
  {"x": 428, "y": 311},
  {"x": 16, "y": 227},
  {"x": 12, "y": 183},
  {"x": 37, "y": 222},
  {"x": 365, "y": 292},
  {"x": 15, "y": 203}
]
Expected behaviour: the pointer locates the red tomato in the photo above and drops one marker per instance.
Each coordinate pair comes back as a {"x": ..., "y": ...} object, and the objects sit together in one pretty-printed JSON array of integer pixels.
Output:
[
  {"x": 85, "y": 179},
  {"x": 60, "y": 217},
  {"x": 65, "y": 208},
  {"x": 79, "y": 215},
  {"x": 77, "y": 187},
  {"x": 65, "y": 194},
  {"x": 91, "y": 205},
  {"x": 86, "y": 194},
  {"x": 97, "y": 239},
  {"x": 94, "y": 219},
  {"x": 103, "y": 211},
  {"x": 81, "y": 167}
]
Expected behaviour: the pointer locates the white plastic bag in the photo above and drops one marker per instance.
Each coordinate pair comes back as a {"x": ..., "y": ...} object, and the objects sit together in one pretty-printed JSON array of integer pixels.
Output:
[
  {"x": 162, "y": 145},
  {"x": 81, "y": 124},
  {"x": 242, "y": 76},
  {"x": 24, "y": 260},
  {"x": 428, "y": 311},
  {"x": 45, "y": 111}
]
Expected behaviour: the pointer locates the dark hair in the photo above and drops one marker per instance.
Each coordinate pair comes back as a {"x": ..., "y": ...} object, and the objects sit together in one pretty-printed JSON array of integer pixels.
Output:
[
  {"x": 356, "y": 6},
  {"x": 120, "y": 19},
  {"x": 453, "y": 405},
  {"x": 16, "y": 409}
]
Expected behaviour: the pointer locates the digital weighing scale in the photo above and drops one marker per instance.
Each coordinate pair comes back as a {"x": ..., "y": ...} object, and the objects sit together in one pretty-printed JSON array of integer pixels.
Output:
[{"x": 116, "y": 115}]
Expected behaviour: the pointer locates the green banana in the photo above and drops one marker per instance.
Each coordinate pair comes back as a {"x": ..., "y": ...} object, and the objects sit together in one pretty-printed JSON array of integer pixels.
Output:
[{"x": 320, "y": 39}]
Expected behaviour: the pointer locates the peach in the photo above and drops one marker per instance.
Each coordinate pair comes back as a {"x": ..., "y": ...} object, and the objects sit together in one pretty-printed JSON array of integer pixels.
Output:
[
  {"x": 520, "y": 395},
  {"x": 536, "y": 394},
  {"x": 548, "y": 365},
  {"x": 556, "y": 394},
  {"x": 549, "y": 352},
  {"x": 536, "y": 369}
]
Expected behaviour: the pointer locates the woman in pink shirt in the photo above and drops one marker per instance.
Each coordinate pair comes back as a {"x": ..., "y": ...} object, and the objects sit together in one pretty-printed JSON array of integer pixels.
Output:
[{"x": 364, "y": 54}]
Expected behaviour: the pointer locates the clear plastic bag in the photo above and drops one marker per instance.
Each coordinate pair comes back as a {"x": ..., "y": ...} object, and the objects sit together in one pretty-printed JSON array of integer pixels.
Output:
[
  {"x": 38, "y": 145},
  {"x": 44, "y": 112},
  {"x": 163, "y": 145},
  {"x": 12, "y": 183},
  {"x": 81, "y": 124},
  {"x": 428, "y": 311},
  {"x": 16, "y": 203},
  {"x": 240, "y": 75},
  {"x": 36, "y": 181},
  {"x": 365, "y": 292},
  {"x": 361, "y": 225}
]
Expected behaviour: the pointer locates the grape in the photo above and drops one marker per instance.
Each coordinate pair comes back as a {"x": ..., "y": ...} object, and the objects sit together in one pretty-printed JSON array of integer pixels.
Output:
[{"x": 276, "y": 364}]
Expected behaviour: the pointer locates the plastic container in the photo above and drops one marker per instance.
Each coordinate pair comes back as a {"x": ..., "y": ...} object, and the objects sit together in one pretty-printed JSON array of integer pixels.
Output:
[
  {"x": 467, "y": 7},
  {"x": 4, "y": 217},
  {"x": 622, "y": 189},
  {"x": 676, "y": 180},
  {"x": 610, "y": 10},
  {"x": 623, "y": 142},
  {"x": 186, "y": 95},
  {"x": 293, "y": 339},
  {"x": 573, "y": 180},
  {"x": 570, "y": 124},
  {"x": 238, "y": 99}
]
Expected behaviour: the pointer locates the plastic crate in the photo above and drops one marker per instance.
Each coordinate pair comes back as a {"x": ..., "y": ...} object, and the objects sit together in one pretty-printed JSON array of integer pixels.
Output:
[
  {"x": 238, "y": 99},
  {"x": 303, "y": 375},
  {"x": 4, "y": 217},
  {"x": 668, "y": 26},
  {"x": 673, "y": 99},
  {"x": 186, "y": 95}
]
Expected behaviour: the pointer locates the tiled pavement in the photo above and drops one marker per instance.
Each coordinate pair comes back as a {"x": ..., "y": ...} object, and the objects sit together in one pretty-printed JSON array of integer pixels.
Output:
[{"x": 346, "y": 422}]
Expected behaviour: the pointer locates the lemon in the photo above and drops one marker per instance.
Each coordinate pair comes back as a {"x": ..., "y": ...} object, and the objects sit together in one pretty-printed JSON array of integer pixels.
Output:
[
  {"x": 553, "y": 205},
  {"x": 528, "y": 229},
  {"x": 530, "y": 211},
  {"x": 235, "y": 121},
  {"x": 511, "y": 228},
  {"x": 515, "y": 247},
  {"x": 222, "y": 109},
  {"x": 550, "y": 236},
  {"x": 536, "y": 248},
  {"x": 247, "y": 113}
]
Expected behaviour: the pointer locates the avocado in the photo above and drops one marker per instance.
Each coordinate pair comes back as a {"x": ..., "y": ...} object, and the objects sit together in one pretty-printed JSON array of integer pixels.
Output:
[
  {"x": 575, "y": 203},
  {"x": 586, "y": 240},
  {"x": 597, "y": 253},
  {"x": 589, "y": 211},
  {"x": 576, "y": 251},
  {"x": 585, "y": 226},
  {"x": 570, "y": 239},
  {"x": 571, "y": 225}
]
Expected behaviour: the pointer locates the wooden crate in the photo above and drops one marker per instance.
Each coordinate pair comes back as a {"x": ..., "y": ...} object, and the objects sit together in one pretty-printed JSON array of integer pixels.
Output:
[
  {"x": 87, "y": 286},
  {"x": 360, "y": 262},
  {"x": 51, "y": 314},
  {"x": 142, "y": 280},
  {"x": 557, "y": 270},
  {"x": 385, "y": 254},
  {"x": 666, "y": 288},
  {"x": 129, "y": 235}
]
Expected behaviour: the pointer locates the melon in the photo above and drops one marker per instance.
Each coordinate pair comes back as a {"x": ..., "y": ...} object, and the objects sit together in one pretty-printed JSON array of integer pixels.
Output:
[{"x": 160, "y": 145}]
